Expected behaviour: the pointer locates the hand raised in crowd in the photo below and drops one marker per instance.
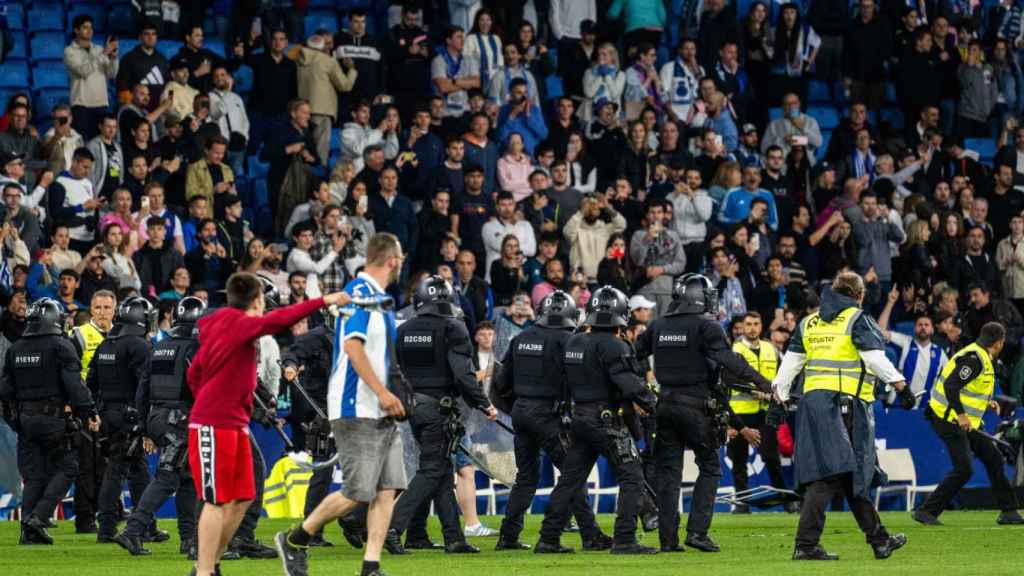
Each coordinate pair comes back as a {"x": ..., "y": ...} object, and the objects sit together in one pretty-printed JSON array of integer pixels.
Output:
[
  {"x": 751, "y": 435},
  {"x": 94, "y": 424}
]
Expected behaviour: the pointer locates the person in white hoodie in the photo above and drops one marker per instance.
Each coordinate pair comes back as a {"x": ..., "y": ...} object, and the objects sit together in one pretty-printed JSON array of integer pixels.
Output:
[
  {"x": 358, "y": 134},
  {"x": 12, "y": 169},
  {"x": 503, "y": 223}
]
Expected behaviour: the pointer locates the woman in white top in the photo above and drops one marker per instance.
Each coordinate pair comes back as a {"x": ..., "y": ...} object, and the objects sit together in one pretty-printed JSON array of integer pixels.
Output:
[
  {"x": 358, "y": 225},
  {"x": 602, "y": 81},
  {"x": 483, "y": 47},
  {"x": 792, "y": 47},
  {"x": 118, "y": 264},
  {"x": 582, "y": 170}
]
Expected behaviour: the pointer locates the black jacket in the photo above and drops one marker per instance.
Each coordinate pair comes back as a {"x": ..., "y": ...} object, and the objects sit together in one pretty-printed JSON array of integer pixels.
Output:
[
  {"x": 149, "y": 69},
  {"x": 867, "y": 49},
  {"x": 274, "y": 84},
  {"x": 155, "y": 266},
  {"x": 368, "y": 56}
]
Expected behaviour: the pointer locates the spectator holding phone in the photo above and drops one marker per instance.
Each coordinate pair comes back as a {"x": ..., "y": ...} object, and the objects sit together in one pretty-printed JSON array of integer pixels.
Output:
[
  {"x": 89, "y": 67},
  {"x": 61, "y": 140},
  {"x": 507, "y": 274},
  {"x": 210, "y": 176},
  {"x": 659, "y": 253},
  {"x": 518, "y": 317}
]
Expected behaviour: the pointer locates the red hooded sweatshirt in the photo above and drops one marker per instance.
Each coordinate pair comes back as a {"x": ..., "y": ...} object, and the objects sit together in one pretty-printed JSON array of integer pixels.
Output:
[{"x": 222, "y": 376}]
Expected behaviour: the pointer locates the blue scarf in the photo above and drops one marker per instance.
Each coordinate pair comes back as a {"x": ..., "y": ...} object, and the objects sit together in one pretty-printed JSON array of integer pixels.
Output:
[
  {"x": 487, "y": 63},
  {"x": 910, "y": 363},
  {"x": 863, "y": 164},
  {"x": 452, "y": 70}
]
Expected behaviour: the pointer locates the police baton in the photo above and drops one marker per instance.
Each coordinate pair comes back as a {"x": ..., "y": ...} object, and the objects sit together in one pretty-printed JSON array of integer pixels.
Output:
[
  {"x": 277, "y": 427},
  {"x": 303, "y": 392},
  {"x": 498, "y": 421}
]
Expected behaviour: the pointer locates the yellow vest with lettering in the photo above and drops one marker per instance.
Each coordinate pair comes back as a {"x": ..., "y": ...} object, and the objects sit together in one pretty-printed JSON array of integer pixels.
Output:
[
  {"x": 89, "y": 338},
  {"x": 833, "y": 362},
  {"x": 975, "y": 396},
  {"x": 766, "y": 362},
  {"x": 284, "y": 492}
]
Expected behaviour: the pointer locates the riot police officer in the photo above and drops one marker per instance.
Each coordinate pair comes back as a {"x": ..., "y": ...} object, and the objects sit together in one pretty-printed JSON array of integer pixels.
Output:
[
  {"x": 41, "y": 377},
  {"x": 603, "y": 377},
  {"x": 164, "y": 403},
  {"x": 310, "y": 355},
  {"x": 435, "y": 353},
  {"x": 532, "y": 376},
  {"x": 114, "y": 374},
  {"x": 687, "y": 348}
]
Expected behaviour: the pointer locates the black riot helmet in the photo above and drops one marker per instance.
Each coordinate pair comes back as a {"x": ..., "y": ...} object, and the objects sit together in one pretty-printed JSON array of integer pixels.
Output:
[
  {"x": 557, "y": 310},
  {"x": 271, "y": 295},
  {"x": 608, "y": 308},
  {"x": 188, "y": 311},
  {"x": 45, "y": 317},
  {"x": 434, "y": 295},
  {"x": 693, "y": 294},
  {"x": 136, "y": 317}
]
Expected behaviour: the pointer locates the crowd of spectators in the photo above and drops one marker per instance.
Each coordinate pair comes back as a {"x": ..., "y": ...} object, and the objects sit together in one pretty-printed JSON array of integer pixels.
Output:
[{"x": 519, "y": 147}]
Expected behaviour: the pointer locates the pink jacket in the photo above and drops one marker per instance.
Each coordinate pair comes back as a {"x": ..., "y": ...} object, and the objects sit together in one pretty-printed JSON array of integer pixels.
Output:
[{"x": 514, "y": 176}]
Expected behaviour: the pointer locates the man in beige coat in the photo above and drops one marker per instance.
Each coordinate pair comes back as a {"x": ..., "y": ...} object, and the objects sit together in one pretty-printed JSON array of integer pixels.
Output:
[
  {"x": 588, "y": 231},
  {"x": 89, "y": 67},
  {"x": 320, "y": 79}
]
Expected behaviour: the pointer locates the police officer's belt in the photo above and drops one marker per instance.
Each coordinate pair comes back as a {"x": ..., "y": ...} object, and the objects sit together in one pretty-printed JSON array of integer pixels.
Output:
[
  {"x": 432, "y": 394},
  {"x": 53, "y": 408},
  {"x": 678, "y": 396}
]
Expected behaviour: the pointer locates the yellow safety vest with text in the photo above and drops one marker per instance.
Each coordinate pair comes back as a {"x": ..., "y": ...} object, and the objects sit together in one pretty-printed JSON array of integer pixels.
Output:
[
  {"x": 975, "y": 396},
  {"x": 89, "y": 338},
  {"x": 766, "y": 362},
  {"x": 833, "y": 362}
]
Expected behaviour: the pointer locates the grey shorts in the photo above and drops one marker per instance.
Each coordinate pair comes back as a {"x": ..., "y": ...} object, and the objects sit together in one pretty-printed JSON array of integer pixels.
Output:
[{"x": 370, "y": 456}]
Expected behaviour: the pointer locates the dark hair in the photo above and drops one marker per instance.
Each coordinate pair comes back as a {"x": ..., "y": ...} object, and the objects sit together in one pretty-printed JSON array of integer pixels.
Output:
[
  {"x": 155, "y": 221},
  {"x": 518, "y": 82},
  {"x": 537, "y": 172},
  {"x": 505, "y": 195},
  {"x": 450, "y": 32},
  {"x": 69, "y": 272},
  {"x": 484, "y": 325},
  {"x": 215, "y": 139},
  {"x": 476, "y": 20},
  {"x": 472, "y": 169},
  {"x": 82, "y": 154},
  {"x": 243, "y": 289},
  {"x": 148, "y": 24},
  {"x": 80, "y": 20},
  {"x": 991, "y": 333},
  {"x": 301, "y": 227}
]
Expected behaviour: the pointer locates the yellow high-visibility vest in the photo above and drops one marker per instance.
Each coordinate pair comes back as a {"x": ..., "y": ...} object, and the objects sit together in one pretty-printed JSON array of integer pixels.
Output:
[
  {"x": 833, "y": 362},
  {"x": 975, "y": 396},
  {"x": 284, "y": 492},
  {"x": 89, "y": 338},
  {"x": 766, "y": 362}
]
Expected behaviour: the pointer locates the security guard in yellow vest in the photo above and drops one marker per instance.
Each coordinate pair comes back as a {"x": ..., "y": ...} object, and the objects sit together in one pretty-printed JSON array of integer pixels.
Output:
[
  {"x": 750, "y": 408},
  {"x": 86, "y": 339},
  {"x": 960, "y": 397},
  {"x": 842, "y": 350}
]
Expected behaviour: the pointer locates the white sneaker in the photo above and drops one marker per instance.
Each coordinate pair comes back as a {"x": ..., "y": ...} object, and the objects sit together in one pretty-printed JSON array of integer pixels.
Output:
[{"x": 479, "y": 531}]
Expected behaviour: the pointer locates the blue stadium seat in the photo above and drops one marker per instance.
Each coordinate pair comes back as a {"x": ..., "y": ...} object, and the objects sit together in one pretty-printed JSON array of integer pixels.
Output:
[
  {"x": 169, "y": 47},
  {"x": 243, "y": 80},
  {"x": 99, "y": 18},
  {"x": 826, "y": 116},
  {"x": 257, "y": 170},
  {"x": 14, "y": 75},
  {"x": 49, "y": 75},
  {"x": 321, "y": 4},
  {"x": 321, "y": 19},
  {"x": 45, "y": 100},
  {"x": 215, "y": 45},
  {"x": 818, "y": 93},
  {"x": 890, "y": 93},
  {"x": 121, "y": 20},
  {"x": 553, "y": 85},
  {"x": 893, "y": 116},
  {"x": 826, "y": 137},
  {"x": 985, "y": 147},
  {"x": 15, "y": 16},
  {"x": 335, "y": 139},
  {"x": 46, "y": 17},
  {"x": 18, "y": 51},
  {"x": 7, "y": 93},
  {"x": 47, "y": 46},
  {"x": 126, "y": 45}
]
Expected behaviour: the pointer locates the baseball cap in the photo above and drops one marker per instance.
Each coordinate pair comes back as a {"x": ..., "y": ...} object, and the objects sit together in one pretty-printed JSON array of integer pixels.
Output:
[
  {"x": 748, "y": 128},
  {"x": 8, "y": 157},
  {"x": 178, "y": 62},
  {"x": 638, "y": 302},
  {"x": 588, "y": 27}
]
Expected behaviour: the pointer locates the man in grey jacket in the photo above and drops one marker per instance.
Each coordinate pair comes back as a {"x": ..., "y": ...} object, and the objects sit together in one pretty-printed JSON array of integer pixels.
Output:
[
  {"x": 691, "y": 209},
  {"x": 108, "y": 169},
  {"x": 872, "y": 233},
  {"x": 659, "y": 252},
  {"x": 978, "y": 93}
]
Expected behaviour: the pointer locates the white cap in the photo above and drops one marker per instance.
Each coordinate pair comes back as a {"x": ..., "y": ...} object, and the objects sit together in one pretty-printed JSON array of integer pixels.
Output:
[{"x": 638, "y": 301}]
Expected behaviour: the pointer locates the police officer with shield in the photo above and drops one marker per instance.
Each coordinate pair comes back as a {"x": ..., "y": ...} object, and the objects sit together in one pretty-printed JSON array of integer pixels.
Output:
[
  {"x": 688, "y": 348},
  {"x": 164, "y": 402},
  {"x": 842, "y": 353},
  {"x": 117, "y": 367},
  {"x": 603, "y": 377},
  {"x": 532, "y": 376},
  {"x": 40, "y": 378},
  {"x": 436, "y": 356}
]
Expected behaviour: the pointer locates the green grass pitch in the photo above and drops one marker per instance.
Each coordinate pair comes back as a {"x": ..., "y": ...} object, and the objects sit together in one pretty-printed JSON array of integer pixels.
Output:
[{"x": 760, "y": 544}]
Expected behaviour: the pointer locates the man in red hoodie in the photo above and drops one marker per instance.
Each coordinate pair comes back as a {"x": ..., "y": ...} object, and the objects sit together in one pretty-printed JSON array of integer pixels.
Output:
[{"x": 222, "y": 379}]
